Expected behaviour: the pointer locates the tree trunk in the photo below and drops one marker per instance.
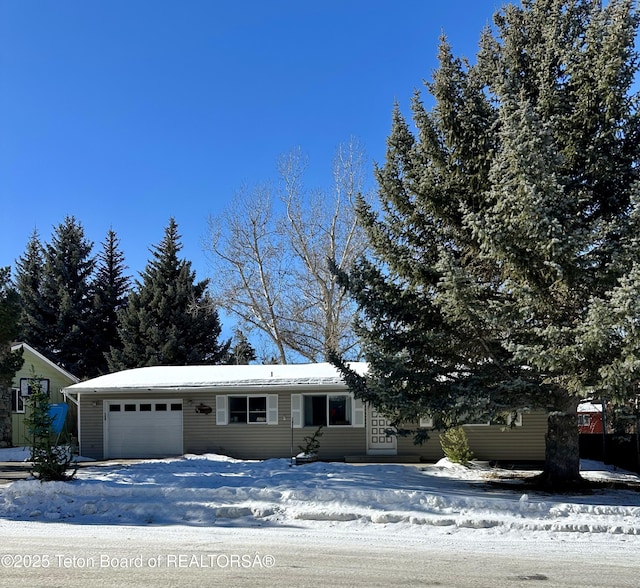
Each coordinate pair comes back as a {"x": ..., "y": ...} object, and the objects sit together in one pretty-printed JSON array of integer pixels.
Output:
[
  {"x": 562, "y": 453},
  {"x": 5, "y": 416}
]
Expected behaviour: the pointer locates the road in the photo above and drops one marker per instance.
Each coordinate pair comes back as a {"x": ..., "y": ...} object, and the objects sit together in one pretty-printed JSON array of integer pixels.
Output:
[{"x": 35, "y": 554}]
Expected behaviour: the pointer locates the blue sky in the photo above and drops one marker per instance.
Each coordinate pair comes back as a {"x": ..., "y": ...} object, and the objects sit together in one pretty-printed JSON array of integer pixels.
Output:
[{"x": 124, "y": 113}]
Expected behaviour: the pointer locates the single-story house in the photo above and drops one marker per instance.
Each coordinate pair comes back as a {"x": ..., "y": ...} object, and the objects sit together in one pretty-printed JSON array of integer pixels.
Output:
[
  {"x": 51, "y": 377},
  {"x": 259, "y": 412}
]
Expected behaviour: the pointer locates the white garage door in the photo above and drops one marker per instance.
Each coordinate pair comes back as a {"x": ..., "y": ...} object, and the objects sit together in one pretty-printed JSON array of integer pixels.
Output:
[{"x": 142, "y": 428}]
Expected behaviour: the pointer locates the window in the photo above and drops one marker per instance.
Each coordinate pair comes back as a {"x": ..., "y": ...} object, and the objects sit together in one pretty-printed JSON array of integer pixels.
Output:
[
  {"x": 17, "y": 401},
  {"x": 26, "y": 388},
  {"x": 249, "y": 409},
  {"x": 326, "y": 410},
  {"x": 584, "y": 420},
  {"x": 426, "y": 422},
  {"x": 19, "y": 395},
  {"x": 313, "y": 410}
]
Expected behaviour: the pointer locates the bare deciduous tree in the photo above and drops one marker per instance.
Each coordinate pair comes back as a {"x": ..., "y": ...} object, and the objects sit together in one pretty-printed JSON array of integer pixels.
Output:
[{"x": 270, "y": 252}]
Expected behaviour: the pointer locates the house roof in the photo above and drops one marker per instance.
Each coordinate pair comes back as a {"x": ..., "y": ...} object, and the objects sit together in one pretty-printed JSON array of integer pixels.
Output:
[
  {"x": 213, "y": 376},
  {"x": 589, "y": 407},
  {"x": 46, "y": 360}
]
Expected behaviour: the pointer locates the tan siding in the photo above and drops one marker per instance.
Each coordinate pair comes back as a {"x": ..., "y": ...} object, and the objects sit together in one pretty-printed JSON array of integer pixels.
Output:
[
  {"x": 245, "y": 441},
  {"x": 91, "y": 427},
  {"x": 261, "y": 441},
  {"x": 242, "y": 441},
  {"x": 491, "y": 442}
]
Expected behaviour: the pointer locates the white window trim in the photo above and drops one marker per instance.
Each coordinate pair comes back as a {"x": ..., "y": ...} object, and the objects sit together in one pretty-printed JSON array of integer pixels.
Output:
[
  {"x": 17, "y": 399},
  {"x": 426, "y": 422},
  {"x": 297, "y": 410},
  {"x": 222, "y": 409},
  {"x": 517, "y": 422}
]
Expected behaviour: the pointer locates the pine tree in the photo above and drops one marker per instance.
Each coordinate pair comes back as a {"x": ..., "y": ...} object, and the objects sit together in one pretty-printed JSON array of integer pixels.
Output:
[
  {"x": 170, "y": 319},
  {"x": 67, "y": 296},
  {"x": 29, "y": 271},
  {"x": 506, "y": 253},
  {"x": 110, "y": 291},
  {"x": 55, "y": 288},
  {"x": 51, "y": 462}
]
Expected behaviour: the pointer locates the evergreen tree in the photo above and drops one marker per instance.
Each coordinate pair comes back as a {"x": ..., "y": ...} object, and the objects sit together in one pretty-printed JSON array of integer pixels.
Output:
[
  {"x": 242, "y": 352},
  {"x": 67, "y": 296},
  {"x": 110, "y": 290},
  {"x": 29, "y": 270},
  {"x": 506, "y": 257},
  {"x": 51, "y": 462},
  {"x": 170, "y": 319},
  {"x": 10, "y": 361},
  {"x": 55, "y": 287}
]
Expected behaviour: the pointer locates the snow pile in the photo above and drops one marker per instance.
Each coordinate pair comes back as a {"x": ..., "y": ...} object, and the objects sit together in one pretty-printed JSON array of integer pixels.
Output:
[
  {"x": 15, "y": 454},
  {"x": 207, "y": 490},
  {"x": 24, "y": 454}
]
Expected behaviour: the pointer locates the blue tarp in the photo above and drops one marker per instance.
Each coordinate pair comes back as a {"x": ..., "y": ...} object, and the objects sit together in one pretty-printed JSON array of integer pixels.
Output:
[{"x": 58, "y": 413}]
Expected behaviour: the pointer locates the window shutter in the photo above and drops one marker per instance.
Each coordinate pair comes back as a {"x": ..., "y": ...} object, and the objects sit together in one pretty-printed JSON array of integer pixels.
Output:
[
  {"x": 517, "y": 421},
  {"x": 426, "y": 422},
  {"x": 296, "y": 411},
  {"x": 272, "y": 409},
  {"x": 222, "y": 402},
  {"x": 358, "y": 413}
]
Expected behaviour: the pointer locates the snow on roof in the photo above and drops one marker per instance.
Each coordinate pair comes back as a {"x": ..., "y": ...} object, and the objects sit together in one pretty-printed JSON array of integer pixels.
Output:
[
  {"x": 208, "y": 376},
  {"x": 589, "y": 407}
]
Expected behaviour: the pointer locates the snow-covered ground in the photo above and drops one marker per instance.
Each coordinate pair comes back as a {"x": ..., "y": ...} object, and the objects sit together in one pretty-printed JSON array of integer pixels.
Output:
[{"x": 209, "y": 490}]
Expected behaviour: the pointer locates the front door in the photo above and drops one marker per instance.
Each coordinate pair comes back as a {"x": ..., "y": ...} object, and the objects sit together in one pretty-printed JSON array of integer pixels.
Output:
[{"x": 378, "y": 442}]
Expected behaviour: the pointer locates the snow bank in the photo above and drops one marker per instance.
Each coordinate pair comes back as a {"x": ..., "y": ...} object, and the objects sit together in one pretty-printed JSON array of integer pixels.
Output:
[{"x": 207, "y": 490}]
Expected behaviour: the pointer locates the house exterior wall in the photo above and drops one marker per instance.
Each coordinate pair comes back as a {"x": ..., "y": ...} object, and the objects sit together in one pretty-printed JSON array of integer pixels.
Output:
[
  {"x": 490, "y": 442},
  {"x": 242, "y": 441},
  {"x": 57, "y": 381},
  {"x": 590, "y": 423},
  {"x": 201, "y": 434}
]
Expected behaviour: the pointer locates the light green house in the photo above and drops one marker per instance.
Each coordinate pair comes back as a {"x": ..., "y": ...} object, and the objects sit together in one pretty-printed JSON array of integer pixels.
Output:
[{"x": 52, "y": 378}]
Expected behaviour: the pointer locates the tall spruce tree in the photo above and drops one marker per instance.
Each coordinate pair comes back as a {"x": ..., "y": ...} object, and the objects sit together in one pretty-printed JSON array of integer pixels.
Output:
[
  {"x": 110, "y": 291},
  {"x": 505, "y": 267},
  {"x": 170, "y": 318},
  {"x": 55, "y": 287},
  {"x": 29, "y": 270}
]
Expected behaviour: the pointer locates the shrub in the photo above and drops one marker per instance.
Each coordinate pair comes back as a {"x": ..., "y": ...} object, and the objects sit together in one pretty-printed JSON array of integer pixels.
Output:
[
  {"x": 456, "y": 446},
  {"x": 312, "y": 443},
  {"x": 50, "y": 461}
]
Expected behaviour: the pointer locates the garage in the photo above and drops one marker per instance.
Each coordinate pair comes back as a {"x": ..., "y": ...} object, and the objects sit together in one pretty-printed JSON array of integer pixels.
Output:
[{"x": 142, "y": 428}]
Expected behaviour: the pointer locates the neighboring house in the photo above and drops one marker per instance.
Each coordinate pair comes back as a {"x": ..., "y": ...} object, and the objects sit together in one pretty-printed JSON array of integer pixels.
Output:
[
  {"x": 259, "y": 412},
  {"x": 51, "y": 377},
  {"x": 590, "y": 418}
]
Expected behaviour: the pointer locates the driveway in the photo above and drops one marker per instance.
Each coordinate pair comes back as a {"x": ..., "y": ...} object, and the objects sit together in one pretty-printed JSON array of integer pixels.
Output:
[{"x": 10, "y": 471}]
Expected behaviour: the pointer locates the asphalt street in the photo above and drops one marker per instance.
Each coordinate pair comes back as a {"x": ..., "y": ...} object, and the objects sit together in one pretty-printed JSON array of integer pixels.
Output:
[{"x": 273, "y": 558}]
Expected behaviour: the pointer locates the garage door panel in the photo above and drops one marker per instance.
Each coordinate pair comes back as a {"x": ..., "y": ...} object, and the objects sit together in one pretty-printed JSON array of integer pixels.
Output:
[{"x": 144, "y": 428}]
